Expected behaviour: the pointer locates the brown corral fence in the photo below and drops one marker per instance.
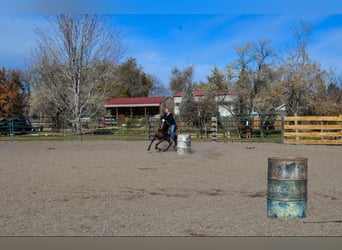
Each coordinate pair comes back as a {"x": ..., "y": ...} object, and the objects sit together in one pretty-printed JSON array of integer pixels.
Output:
[
  {"x": 276, "y": 125},
  {"x": 324, "y": 130}
]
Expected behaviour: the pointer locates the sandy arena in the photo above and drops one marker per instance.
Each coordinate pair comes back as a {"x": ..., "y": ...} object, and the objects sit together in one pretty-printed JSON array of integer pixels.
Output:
[{"x": 118, "y": 188}]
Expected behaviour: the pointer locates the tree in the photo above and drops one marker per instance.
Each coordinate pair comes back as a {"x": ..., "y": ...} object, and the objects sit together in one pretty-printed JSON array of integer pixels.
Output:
[
  {"x": 225, "y": 81},
  {"x": 333, "y": 98},
  {"x": 188, "y": 107},
  {"x": 243, "y": 86},
  {"x": 13, "y": 96},
  {"x": 217, "y": 80},
  {"x": 262, "y": 56},
  {"x": 265, "y": 95},
  {"x": 302, "y": 78},
  {"x": 327, "y": 98},
  {"x": 158, "y": 89},
  {"x": 74, "y": 62},
  {"x": 208, "y": 105},
  {"x": 131, "y": 80},
  {"x": 207, "y": 108},
  {"x": 265, "y": 103},
  {"x": 180, "y": 79}
]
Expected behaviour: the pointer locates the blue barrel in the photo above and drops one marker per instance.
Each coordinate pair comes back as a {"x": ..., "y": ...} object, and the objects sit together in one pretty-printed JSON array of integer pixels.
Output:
[{"x": 287, "y": 187}]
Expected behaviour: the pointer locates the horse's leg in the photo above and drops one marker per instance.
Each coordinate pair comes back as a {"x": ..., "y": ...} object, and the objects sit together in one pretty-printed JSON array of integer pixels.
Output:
[
  {"x": 169, "y": 138},
  {"x": 249, "y": 133},
  {"x": 149, "y": 147},
  {"x": 170, "y": 143},
  {"x": 175, "y": 140},
  {"x": 160, "y": 141}
]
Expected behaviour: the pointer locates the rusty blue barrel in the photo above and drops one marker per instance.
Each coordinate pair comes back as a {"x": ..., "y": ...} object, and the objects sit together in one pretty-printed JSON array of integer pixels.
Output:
[
  {"x": 287, "y": 187},
  {"x": 183, "y": 144}
]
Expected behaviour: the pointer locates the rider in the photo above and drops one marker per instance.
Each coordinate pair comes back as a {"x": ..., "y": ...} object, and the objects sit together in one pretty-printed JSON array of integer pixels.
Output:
[{"x": 169, "y": 118}]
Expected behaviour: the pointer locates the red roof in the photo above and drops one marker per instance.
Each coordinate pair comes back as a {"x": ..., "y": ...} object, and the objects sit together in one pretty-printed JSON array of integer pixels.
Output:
[
  {"x": 196, "y": 93},
  {"x": 202, "y": 92},
  {"x": 149, "y": 101}
]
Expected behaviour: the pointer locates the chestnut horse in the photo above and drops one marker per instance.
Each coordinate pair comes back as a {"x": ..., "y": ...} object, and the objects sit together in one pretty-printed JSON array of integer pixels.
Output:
[
  {"x": 243, "y": 129},
  {"x": 162, "y": 134}
]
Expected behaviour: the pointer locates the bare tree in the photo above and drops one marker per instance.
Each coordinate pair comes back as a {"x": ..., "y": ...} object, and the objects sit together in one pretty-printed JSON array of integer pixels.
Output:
[
  {"x": 74, "y": 60},
  {"x": 262, "y": 57},
  {"x": 158, "y": 89},
  {"x": 244, "y": 89},
  {"x": 302, "y": 77},
  {"x": 181, "y": 78},
  {"x": 265, "y": 98},
  {"x": 225, "y": 99},
  {"x": 327, "y": 99},
  {"x": 265, "y": 103}
]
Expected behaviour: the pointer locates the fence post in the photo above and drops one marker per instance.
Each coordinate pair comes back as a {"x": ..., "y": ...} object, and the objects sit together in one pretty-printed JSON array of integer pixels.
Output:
[
  {"x": 214, "y": 128},
  {"x": 341, "y": 131},
  {"x": 282, "y": 129},
  {"x": 64, "y": 124},
  {"x": 40, "y": 126},
  {"x": 11, "y": 130},
  {"x": 152, "y": 126}
]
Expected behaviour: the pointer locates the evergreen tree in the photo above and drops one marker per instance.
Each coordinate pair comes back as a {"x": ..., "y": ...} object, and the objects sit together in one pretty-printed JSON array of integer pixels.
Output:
[{"x": 188, "y": 106}]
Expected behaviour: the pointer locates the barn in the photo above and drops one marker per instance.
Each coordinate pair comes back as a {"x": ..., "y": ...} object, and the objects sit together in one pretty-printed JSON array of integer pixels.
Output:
[{"x": 137, "y": 106}]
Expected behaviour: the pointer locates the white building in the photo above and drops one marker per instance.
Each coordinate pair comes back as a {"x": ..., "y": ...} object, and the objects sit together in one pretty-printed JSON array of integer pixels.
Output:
[{"x": 222, "y": 96}]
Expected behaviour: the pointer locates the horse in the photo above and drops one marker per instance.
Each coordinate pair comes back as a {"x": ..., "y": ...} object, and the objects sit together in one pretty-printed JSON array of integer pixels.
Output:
[
  {"x": 243, "y": 129},
  {"x": 162, "y": 134}
]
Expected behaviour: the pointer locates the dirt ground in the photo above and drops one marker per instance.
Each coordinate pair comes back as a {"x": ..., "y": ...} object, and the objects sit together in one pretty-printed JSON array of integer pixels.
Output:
[{"x": 118, "y": 188}]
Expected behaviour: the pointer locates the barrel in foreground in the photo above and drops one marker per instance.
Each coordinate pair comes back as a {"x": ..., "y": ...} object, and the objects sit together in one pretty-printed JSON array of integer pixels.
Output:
[{"x": 287, "y": 187}]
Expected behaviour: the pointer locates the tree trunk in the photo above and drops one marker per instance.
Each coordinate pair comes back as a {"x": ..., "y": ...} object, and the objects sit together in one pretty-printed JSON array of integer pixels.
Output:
[
  {"x": 79, "y": 128},
  {"x": 78, "y": 112},
  {"x": 262, "y": 125},
  {"x": 262, "y": 135}
]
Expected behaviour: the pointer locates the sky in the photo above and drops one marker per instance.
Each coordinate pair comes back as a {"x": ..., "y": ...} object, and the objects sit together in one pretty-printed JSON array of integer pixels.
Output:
[{"x": 179, "y": 34}]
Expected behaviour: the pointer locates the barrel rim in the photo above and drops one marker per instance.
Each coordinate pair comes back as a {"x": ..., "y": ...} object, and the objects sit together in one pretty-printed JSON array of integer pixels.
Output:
[
  {"x": 290, "y": 158},
  {"x": 272, "y": 178},
  {"x": 294, "y": 200},
  {"x": 184, "y": 135}
]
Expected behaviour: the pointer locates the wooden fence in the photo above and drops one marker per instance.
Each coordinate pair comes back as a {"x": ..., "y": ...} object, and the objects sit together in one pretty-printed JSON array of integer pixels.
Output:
[
  {"x": 276, "y": 125},
  {"x": 324, "y": 130}
]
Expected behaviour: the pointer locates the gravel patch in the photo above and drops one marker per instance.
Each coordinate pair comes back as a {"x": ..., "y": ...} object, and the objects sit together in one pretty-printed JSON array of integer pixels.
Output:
[{"x": 118, "y": 188}]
